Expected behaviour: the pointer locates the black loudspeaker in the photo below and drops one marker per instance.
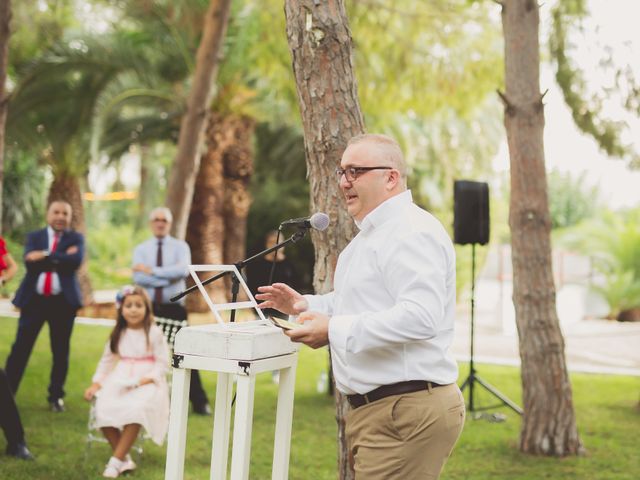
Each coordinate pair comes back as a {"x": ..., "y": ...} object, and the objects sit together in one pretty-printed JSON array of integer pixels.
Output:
[{"x": 470, "y": 212}]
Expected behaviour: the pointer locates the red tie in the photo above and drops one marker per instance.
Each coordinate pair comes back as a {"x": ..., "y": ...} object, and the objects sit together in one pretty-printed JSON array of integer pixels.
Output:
[{"x": 48, "y": 276}]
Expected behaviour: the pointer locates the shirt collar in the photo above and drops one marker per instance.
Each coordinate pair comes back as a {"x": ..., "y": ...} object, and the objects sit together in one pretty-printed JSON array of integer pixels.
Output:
[
  {"x": 51, "y": 232},
  {"x": 387, "y": 210}
]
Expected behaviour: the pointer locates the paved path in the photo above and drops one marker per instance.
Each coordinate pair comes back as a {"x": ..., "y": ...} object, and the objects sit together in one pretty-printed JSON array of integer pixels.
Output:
[{"x": 595, "y": 346}]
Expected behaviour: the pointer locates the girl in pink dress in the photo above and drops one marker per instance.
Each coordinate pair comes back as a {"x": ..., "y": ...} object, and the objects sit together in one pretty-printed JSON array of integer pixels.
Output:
[{"x": 130, "y": 384}]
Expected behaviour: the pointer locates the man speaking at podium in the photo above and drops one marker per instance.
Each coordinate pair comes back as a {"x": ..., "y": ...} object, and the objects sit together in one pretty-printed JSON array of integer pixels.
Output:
[{"x": 389, "y": 321}]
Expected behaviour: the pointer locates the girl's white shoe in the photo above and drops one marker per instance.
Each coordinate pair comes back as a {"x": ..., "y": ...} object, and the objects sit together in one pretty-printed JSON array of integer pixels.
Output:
[
  {"x": 113, "y": 468},
  {"x": 128, "y": 464}
]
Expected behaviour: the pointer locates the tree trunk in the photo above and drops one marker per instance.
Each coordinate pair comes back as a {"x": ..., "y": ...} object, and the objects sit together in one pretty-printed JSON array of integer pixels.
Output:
[
  {"x": 67, "y": 187},
  {"x": 146, "y": 190},
  {"x": 549, "y": 424},
  {"x": 187, "y": 162},
  {"x": 5, "y": 18},
  {"x": 205, "y": 231},
  {"x": 238, "y": 169},
  {"x": 320, "y": 44},
  {"x": 217, "y": 223}
]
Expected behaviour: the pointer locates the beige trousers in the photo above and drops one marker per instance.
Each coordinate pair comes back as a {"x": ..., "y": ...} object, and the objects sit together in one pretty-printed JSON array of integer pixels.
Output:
[{"x": 407, "y": 437}]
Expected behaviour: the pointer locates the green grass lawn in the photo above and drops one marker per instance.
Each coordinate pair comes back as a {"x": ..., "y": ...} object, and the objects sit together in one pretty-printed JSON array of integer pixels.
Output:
[{"x": 608, "y": 420}]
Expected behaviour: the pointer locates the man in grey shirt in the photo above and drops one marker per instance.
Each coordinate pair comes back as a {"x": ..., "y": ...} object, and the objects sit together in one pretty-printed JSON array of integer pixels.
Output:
[{"x": 160, "y": 265}]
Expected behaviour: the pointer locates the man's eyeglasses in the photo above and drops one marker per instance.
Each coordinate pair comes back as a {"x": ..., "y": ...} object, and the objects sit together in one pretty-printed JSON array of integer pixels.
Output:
[
  {"x": 352, "y": 173},
  {"x": 162, "y": 220}
]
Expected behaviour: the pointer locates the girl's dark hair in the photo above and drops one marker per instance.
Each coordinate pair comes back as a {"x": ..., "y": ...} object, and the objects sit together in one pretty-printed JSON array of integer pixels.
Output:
[{"x": 121, "y": 323}]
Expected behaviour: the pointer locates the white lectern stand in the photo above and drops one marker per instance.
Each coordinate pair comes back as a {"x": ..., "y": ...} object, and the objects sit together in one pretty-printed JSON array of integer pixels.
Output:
[{"x": 234, "y": 350}]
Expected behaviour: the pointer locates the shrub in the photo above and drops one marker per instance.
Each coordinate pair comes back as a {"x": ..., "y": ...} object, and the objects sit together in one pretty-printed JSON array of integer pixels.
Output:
[{"x": 613, "y": 243}]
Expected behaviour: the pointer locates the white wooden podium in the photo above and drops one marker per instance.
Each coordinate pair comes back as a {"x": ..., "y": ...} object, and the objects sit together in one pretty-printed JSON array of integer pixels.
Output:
[{"x": 237, "y": 351}]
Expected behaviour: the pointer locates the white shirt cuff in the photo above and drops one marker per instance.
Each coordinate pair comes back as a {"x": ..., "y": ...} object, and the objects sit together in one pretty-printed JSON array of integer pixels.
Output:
[{"x": 314, "y": 303}]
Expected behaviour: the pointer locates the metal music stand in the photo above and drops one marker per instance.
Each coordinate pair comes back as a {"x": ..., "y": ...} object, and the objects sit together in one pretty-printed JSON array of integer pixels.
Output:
[{"x": 235, "y": 273}]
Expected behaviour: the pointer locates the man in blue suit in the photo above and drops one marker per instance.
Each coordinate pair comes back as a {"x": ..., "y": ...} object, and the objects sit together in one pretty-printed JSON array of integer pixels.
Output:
[{"x": 49, "y": 292}]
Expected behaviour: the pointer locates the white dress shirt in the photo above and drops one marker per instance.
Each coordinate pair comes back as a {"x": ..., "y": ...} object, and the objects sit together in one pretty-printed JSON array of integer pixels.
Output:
[
  {"x": 56, "y": 289},
  {"x": 176, "y": 258},
  {"x": 392, "y": 308}
]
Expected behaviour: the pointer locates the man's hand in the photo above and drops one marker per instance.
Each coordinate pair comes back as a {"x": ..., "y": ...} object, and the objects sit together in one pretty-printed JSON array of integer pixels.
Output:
[
  {"x": 35, "y": 255},
  {"x": 141, "y": 267},
  {"x": 315, "y": 331},
  {"x": 71, "y": 250},
  {"x": 283, "y": 298}
]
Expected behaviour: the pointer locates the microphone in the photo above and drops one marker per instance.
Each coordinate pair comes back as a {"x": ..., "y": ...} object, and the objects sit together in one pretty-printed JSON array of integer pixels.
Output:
[{"x": 317, "y": 221}]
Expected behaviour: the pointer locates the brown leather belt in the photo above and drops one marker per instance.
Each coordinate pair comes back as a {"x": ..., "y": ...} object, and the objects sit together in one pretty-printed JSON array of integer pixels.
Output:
[{"x": 384, "y": 391}]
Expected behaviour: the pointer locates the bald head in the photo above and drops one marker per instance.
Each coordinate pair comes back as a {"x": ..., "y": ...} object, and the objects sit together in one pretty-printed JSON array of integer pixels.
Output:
[
  {"x": 386, "y": 150},
  {"x": 372, "y": 170}
]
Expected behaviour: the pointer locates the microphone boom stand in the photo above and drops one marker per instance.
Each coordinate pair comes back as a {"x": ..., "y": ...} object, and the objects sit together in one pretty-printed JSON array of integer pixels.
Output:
[{"x": 235, "y": 282}]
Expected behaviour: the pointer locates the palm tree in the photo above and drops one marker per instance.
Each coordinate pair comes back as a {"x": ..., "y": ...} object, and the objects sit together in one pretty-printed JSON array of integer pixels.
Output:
[
  {"x": 53, "y": 109},
  {"x": 5, "y": 16},
  {"x": 185, "y": 167}
]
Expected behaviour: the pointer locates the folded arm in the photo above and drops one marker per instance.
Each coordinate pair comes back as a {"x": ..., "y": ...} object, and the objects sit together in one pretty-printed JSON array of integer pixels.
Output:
[
  {"x": 148, "y": 275},
  {"x": 149, "y": 281},
  {"x": 177, "y": 270},
  {"x": 64, "y": 260},
  {"x": 68, "y": 259}
]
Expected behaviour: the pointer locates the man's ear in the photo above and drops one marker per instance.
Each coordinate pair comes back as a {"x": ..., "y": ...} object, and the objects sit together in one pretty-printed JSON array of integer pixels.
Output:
[{"x": 393, "y": 179}]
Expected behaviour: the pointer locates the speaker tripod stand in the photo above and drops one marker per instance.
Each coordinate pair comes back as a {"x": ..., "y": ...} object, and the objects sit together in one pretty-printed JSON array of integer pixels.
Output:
[{"x": 473, "y": 376}]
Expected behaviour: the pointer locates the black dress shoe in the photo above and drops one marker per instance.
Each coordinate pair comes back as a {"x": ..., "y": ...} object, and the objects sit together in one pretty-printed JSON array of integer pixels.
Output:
[
  {"x": 57, "y": 405},
  {"x": 202, "y": 409},
  {"x": 20, "y": 450}
]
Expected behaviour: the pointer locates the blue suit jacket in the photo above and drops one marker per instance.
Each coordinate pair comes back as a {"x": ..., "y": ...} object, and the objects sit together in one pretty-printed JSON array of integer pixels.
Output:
[{"x": 66, "y": 265}]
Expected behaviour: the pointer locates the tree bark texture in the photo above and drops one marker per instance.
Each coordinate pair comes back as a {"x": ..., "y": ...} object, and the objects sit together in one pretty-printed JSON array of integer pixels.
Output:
[
  {"x": 187, "y": 162},
  {"x": 217, "y": 223},
  {"x": 238, "y": 170},
  {"x": 5, "y": 32},
  {"x": 145, "y": 191},
  {"x": 549, "y": 424},
  {"x": 320, "y": 43},
  {"x": 205, "y": 231},
  {"x": 66, "y": 187}
]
